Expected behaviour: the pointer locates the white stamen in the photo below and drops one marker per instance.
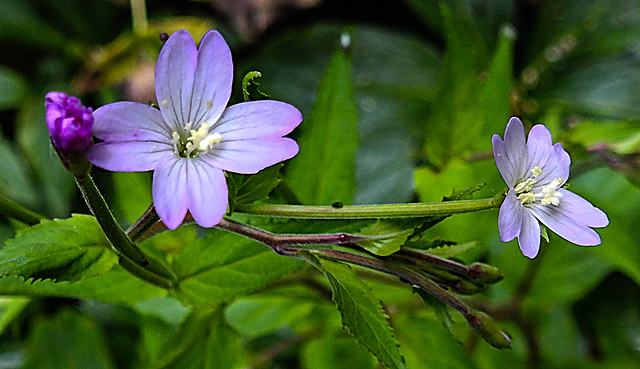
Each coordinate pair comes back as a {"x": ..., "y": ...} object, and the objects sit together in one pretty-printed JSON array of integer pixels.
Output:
[{"x": 550, "y": 194}]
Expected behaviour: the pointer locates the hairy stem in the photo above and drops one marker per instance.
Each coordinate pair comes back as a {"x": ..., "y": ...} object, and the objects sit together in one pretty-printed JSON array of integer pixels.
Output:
[{"x": 118, "y": 239}]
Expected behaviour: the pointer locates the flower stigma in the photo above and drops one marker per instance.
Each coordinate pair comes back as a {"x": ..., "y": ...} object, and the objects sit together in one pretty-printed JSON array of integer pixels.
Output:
[
  {"x": 549, "y": 194},
  {"x": 199, "y": 141}
]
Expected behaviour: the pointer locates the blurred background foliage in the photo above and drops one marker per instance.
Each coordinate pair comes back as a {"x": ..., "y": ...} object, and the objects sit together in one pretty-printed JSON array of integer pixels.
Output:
[{"x": 432, "y": 82}]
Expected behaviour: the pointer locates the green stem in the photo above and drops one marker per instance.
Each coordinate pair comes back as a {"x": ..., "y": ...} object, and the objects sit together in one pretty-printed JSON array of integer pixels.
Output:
[
  {"x": 116, "y": 235},
  {"x": 139, "y": 16},
  {"x": 18, "y": 212},
  {"x": 412, "y": 210}
]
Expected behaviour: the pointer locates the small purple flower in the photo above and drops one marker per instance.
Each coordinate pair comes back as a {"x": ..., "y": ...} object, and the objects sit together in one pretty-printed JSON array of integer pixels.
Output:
[
  {"x": 535, "y": 171},
  {"x": 69, "y": 124},
  {"x": 194, "y": 136}
]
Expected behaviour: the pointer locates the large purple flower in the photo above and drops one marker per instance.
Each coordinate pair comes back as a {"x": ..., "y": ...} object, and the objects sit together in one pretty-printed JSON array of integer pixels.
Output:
[
  {"x": 194, "y": 136},
  {"x": 535, "y": 171}
]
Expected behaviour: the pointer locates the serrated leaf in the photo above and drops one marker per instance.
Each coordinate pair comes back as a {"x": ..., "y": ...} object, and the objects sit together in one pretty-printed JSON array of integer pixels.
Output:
[
  {"x": 246, "y": 189},
  {"x": 117, "y": 286},
  {"x": 444, "y": 249},
  {"x": 440, "y": 309},
  {"x": 387, "y": 237},
  {"x": 323, "y": 170},
  {"x": 70, "y": 249},
  {"x": 361, "y": 312},
  {"x": 223, "y": 265}
]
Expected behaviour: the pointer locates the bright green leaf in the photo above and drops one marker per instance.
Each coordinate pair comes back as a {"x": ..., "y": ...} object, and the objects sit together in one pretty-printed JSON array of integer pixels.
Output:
[
  {"x": 69, "y": 249},
  {"x": 246, "y": 189},
  {"x": 323, "y": 170},
  {"x": 223, "y": 265},
  {"x": 387, "y": 237},
  {"x": 361, "y": 312}
]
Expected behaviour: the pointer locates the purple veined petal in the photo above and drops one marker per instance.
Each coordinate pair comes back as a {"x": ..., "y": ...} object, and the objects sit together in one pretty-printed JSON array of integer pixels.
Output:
[
  {"x": 169, "y": 190},
  {"x": 557, "y": 166},
  {"x": 505, "y": 167},
  {"x": 565, "y": 224},
  {"x": 529, "y": 238},
  {"x": 539, "y": 146},
  {"x": 207, "y": 193},
  {"x": 581, "y": 209},
  {"x": 257, "y": 119},
  {"x": 516, "y": 148},
  {"x": 212, "y": 83},
  {"x": 130, "y": 121},
  {"x": 251, "y": 156},
  {"x": 510, "y": 218},
  {"x": 175, "y": 72},
  {"x": 134, "y": 156}
]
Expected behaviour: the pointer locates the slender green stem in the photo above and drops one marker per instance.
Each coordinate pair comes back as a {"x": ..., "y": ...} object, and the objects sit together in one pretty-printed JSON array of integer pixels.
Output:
[
  {"x": 18, "y": 212},
  {"x": 148, "y": 219},
  {"x": 116, "y": 235},
  {"x": 412, "y": 210},
  {"x": 139, "y": 16}
]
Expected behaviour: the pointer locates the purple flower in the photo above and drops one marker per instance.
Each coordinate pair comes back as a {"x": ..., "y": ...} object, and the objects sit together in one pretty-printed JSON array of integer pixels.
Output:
[
  {"x": 194, "y": 136},
  {"x": 69, "y": 124},
  {"x": 535, "y": 171}
]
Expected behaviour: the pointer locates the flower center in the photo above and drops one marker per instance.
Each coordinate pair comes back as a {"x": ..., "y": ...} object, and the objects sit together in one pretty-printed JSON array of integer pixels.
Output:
[
  {"x": 199, "y": 141},
  {"x": 548, "y": 194}
]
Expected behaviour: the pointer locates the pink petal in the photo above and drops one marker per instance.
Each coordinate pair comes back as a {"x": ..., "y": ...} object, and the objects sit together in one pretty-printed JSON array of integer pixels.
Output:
[
  {"x": 175, "y": 71},
  {"x": 510, "y": 218},
  {"x": 208, "y": 194},
  {"x": 251, "y": 156},
  {"x": 212, "y": 83},
  {"x": 169, "y": 190},
  {"x": 529, "y": 238},
  {"x": 257, "y": 119},
  {"x": 130, "y": 121},
  {"x": 134, "y": 156}
]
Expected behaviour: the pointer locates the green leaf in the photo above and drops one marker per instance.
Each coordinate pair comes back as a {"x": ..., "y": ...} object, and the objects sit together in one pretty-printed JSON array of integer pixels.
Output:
[
  {"x": 14, "y": 176},
  {"x": 621, "y": 137},
  {"x": 335, "y": 353},
  {"x": 439, "y": 308},
  {"x": 12, "y": 89},
  {"x": 246, "y": 189},
  {"x": 254, "y": 316},
  {"x": 68, "y": 340},
  {"x": 361, "y": 312},
  {"x": 70, "y": 249},
  {"x": 202, "y": 341},
  {"x": 323, "y": 170},
  {"x": 387, "y": 237},
  {"x": 444, "y": 249},
  {"x": 132, "y": 194},
  {"x": 117, "y": 286},
  {"x": 222, "y": 266}
]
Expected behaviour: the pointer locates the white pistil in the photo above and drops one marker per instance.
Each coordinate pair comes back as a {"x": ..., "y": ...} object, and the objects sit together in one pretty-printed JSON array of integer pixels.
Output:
[{"x": 549, "y": 195}]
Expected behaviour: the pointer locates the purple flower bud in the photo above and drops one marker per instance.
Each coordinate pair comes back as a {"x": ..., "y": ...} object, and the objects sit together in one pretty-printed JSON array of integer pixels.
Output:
[{"x": 69, "y": 124}]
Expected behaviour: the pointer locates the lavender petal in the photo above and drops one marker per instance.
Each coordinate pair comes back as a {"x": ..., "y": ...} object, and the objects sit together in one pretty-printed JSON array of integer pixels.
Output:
[
  {"x": 510, "y": 218},
  {"x": 258, "y": 119},
  {"x": 134, "y": 156},
  {"x": 529, "y": 238},
  {"x": 516, "y": 148},
  {"x": 251, "y": 156},
  {"x": 208, "y": 194},
  {"x": 175, "y": 71},
  {"x": 130, "y": 121},
  {"x": 169, "y": 191}
]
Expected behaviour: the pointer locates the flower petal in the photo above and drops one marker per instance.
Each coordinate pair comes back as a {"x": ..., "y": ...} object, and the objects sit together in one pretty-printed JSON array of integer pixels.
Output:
[
  {"x": 511, "y": 154},
  {"x": 257, "y": 119},
  {"x": 529, "y": 238},
  {"x": 175, "y": 72},
  {"x": 510, "y": 218},
  {"x": 212, "y": 83},
  {"x": 170, "y": 190},
  {"x": 134, "y": 156},
  {"x": 564, "y": 222},
  {"x": 208, "y": 194},
  {"x": 582, "y": 209},
  {"x": 130, "y": 121},
  {"x": 251, "y": 156}
]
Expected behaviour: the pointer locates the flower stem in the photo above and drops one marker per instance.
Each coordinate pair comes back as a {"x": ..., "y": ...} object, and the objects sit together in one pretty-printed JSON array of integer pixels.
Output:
[
  {"x": 18, "y": 212},
  {"x": 119, "y": 240},
  {"x": 139, "y": 16},
  {"x": 412, "y": 210}
]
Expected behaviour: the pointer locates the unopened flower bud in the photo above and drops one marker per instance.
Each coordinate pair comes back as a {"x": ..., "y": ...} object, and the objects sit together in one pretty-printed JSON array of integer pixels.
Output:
[
  {"x": 484, "y": 274},
  {"x": 70, "y": 125},
  {"x": 488, "y": 329}
]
